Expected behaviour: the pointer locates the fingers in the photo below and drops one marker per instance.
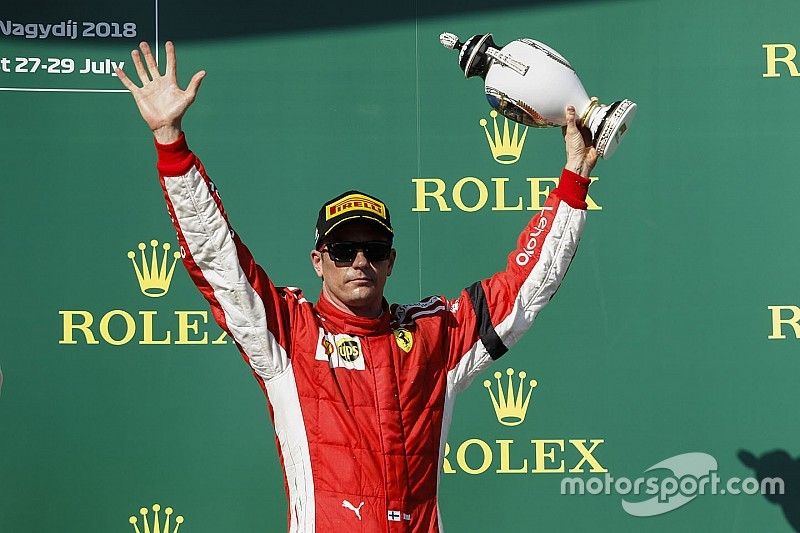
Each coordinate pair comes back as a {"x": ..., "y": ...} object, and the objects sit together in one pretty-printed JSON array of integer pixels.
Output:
[
  {"x": 194, "y": 83},
  {"x": 172, "y": 60},
  {"x": 591, "y": 156},
  {"x": 572, "y": 127},
  {"x": 589, "y": 162},
  {"x": 581, "y": 155},
  {"x": 125, "y": 80},
  {"x": 591, "y": 159},
  {"x": 587, "y": 136},
  {"x": 148, "y": 57},
  {"x": 570, "y": 114},
  {"x": 140, "y": 70}
]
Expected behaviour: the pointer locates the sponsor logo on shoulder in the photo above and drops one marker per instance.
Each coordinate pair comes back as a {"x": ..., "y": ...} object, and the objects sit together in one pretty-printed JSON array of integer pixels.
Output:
[
  {"x": 407, "y": 314},
  {"x": 454, "y": 305}
]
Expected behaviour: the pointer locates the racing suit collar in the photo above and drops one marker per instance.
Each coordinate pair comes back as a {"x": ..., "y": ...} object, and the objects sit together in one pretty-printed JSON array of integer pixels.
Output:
[{"x": 337, "y": 321}]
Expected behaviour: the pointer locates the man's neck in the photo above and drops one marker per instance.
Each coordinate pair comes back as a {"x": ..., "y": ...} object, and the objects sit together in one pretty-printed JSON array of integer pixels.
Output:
[{"x": 373, "y": 310}]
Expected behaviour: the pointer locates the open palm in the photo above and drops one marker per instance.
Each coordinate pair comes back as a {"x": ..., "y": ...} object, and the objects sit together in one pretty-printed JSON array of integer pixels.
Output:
[{"x": 161, "y": 102}]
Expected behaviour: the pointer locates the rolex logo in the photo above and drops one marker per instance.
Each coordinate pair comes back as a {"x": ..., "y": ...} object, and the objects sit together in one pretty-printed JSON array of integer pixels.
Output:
[
  {"x": 509, "y": 405},
  {"x": 154, "y": 276},
  {"x": 156, "y": 526},
  {"x": 506, "y": 147}
]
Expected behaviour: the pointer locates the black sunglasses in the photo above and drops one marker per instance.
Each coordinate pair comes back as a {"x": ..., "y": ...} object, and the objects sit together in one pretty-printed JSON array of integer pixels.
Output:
[{"x": 346, "y": 251}]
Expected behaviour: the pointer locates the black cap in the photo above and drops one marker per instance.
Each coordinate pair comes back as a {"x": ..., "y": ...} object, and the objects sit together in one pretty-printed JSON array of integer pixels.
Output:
[{"x": 351, "y": 205}]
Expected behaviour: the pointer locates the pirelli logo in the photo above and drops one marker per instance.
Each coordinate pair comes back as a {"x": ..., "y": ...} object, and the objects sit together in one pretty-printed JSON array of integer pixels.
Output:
[{"x": 354, "y": 202}]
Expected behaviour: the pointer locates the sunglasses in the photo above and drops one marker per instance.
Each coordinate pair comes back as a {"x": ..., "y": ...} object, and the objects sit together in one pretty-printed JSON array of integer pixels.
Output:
[{"x": 346, "y": 251}]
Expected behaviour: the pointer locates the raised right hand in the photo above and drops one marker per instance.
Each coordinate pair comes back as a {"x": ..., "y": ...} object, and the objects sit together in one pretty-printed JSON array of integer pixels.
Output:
[
  {"x": 160, "y": 101},
  {"x": 581, "y": 155}
]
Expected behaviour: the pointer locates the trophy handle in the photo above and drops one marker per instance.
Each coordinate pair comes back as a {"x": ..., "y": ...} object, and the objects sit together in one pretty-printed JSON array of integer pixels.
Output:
[{"x": 506, "y": 59}]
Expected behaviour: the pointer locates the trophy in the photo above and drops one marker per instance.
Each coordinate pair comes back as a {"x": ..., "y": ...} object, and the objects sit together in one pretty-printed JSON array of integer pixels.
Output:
[{"x": 530, "y": 83}]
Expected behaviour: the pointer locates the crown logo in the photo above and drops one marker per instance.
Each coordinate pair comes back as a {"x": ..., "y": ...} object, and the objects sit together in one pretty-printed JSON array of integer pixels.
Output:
[
  {"x": 506, "y": 147},
  {"x": 153, "y": 279},
  {"x": 157, "y": 526},
  {"x": 508, "y": 404}
]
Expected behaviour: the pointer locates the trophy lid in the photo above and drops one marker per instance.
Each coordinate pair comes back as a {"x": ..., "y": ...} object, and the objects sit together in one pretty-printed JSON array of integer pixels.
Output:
[{"x": 472, "y": 56}]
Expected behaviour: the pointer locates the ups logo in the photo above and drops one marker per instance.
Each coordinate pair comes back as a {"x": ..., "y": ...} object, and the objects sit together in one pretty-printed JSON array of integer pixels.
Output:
[{"x": 348, "y": 349}]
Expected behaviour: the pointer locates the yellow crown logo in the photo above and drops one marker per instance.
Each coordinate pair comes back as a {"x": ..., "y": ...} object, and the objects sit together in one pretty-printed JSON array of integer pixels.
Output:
[
  {"x": 506, "y": 147},
  {"x": 508, "y": 405},
  {"x": 157, "y": 527},
  {"x": 154, "y": 280}
]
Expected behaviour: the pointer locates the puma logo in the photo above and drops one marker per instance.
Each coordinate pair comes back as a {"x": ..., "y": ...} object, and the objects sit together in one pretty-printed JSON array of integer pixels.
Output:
[{"x": 347, "y": 505}]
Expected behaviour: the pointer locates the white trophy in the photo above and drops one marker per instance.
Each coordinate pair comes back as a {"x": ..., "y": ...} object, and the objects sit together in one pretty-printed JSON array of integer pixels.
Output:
[{"x": 530, "y": 83}]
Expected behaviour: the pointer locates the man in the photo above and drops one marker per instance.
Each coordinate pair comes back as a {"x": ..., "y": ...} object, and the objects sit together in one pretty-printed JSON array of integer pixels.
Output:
[{"x": 360, "y": 393}]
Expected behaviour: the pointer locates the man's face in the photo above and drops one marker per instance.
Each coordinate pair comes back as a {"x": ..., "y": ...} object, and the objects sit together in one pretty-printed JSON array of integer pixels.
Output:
[{"x": 357, "y": 285}]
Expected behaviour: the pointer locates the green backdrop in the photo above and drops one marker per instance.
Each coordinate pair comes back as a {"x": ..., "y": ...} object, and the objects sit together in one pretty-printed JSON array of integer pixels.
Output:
[{"x": 658, "y": 343}]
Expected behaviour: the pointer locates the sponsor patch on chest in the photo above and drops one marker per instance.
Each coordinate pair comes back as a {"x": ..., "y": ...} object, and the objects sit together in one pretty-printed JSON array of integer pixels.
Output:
[
  {"x": 340, "y": 350},
  {"x": 404, "y": 338}
]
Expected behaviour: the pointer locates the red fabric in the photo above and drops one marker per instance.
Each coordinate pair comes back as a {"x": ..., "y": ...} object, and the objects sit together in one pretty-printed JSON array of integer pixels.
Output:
[
  {"x": 373, "y": 435},
  {"x": 174, "y": 158},
  {"x": 573, "y": 188}
]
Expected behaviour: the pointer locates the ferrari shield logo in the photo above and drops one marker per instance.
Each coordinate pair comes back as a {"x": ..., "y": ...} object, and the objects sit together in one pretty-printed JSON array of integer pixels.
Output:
[{"x": 404, "y": 339}]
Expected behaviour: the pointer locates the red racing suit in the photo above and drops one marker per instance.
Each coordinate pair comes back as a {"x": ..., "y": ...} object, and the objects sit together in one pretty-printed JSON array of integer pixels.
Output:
[{"x": 361, "y": 407}]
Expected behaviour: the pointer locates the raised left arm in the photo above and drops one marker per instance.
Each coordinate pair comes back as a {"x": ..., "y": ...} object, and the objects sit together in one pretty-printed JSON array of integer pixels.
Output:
[{"x": 491, "y": 315}]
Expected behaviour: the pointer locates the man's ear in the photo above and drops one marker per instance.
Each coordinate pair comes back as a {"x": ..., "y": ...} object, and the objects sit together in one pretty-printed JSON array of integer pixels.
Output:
[
  {"x": 316, "y": 262},
  {"x": 392, "y": 257}
]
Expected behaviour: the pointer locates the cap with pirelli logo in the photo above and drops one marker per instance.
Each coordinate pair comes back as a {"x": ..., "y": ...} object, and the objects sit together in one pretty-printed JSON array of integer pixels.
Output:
[{"x": 351, "y": 205}]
